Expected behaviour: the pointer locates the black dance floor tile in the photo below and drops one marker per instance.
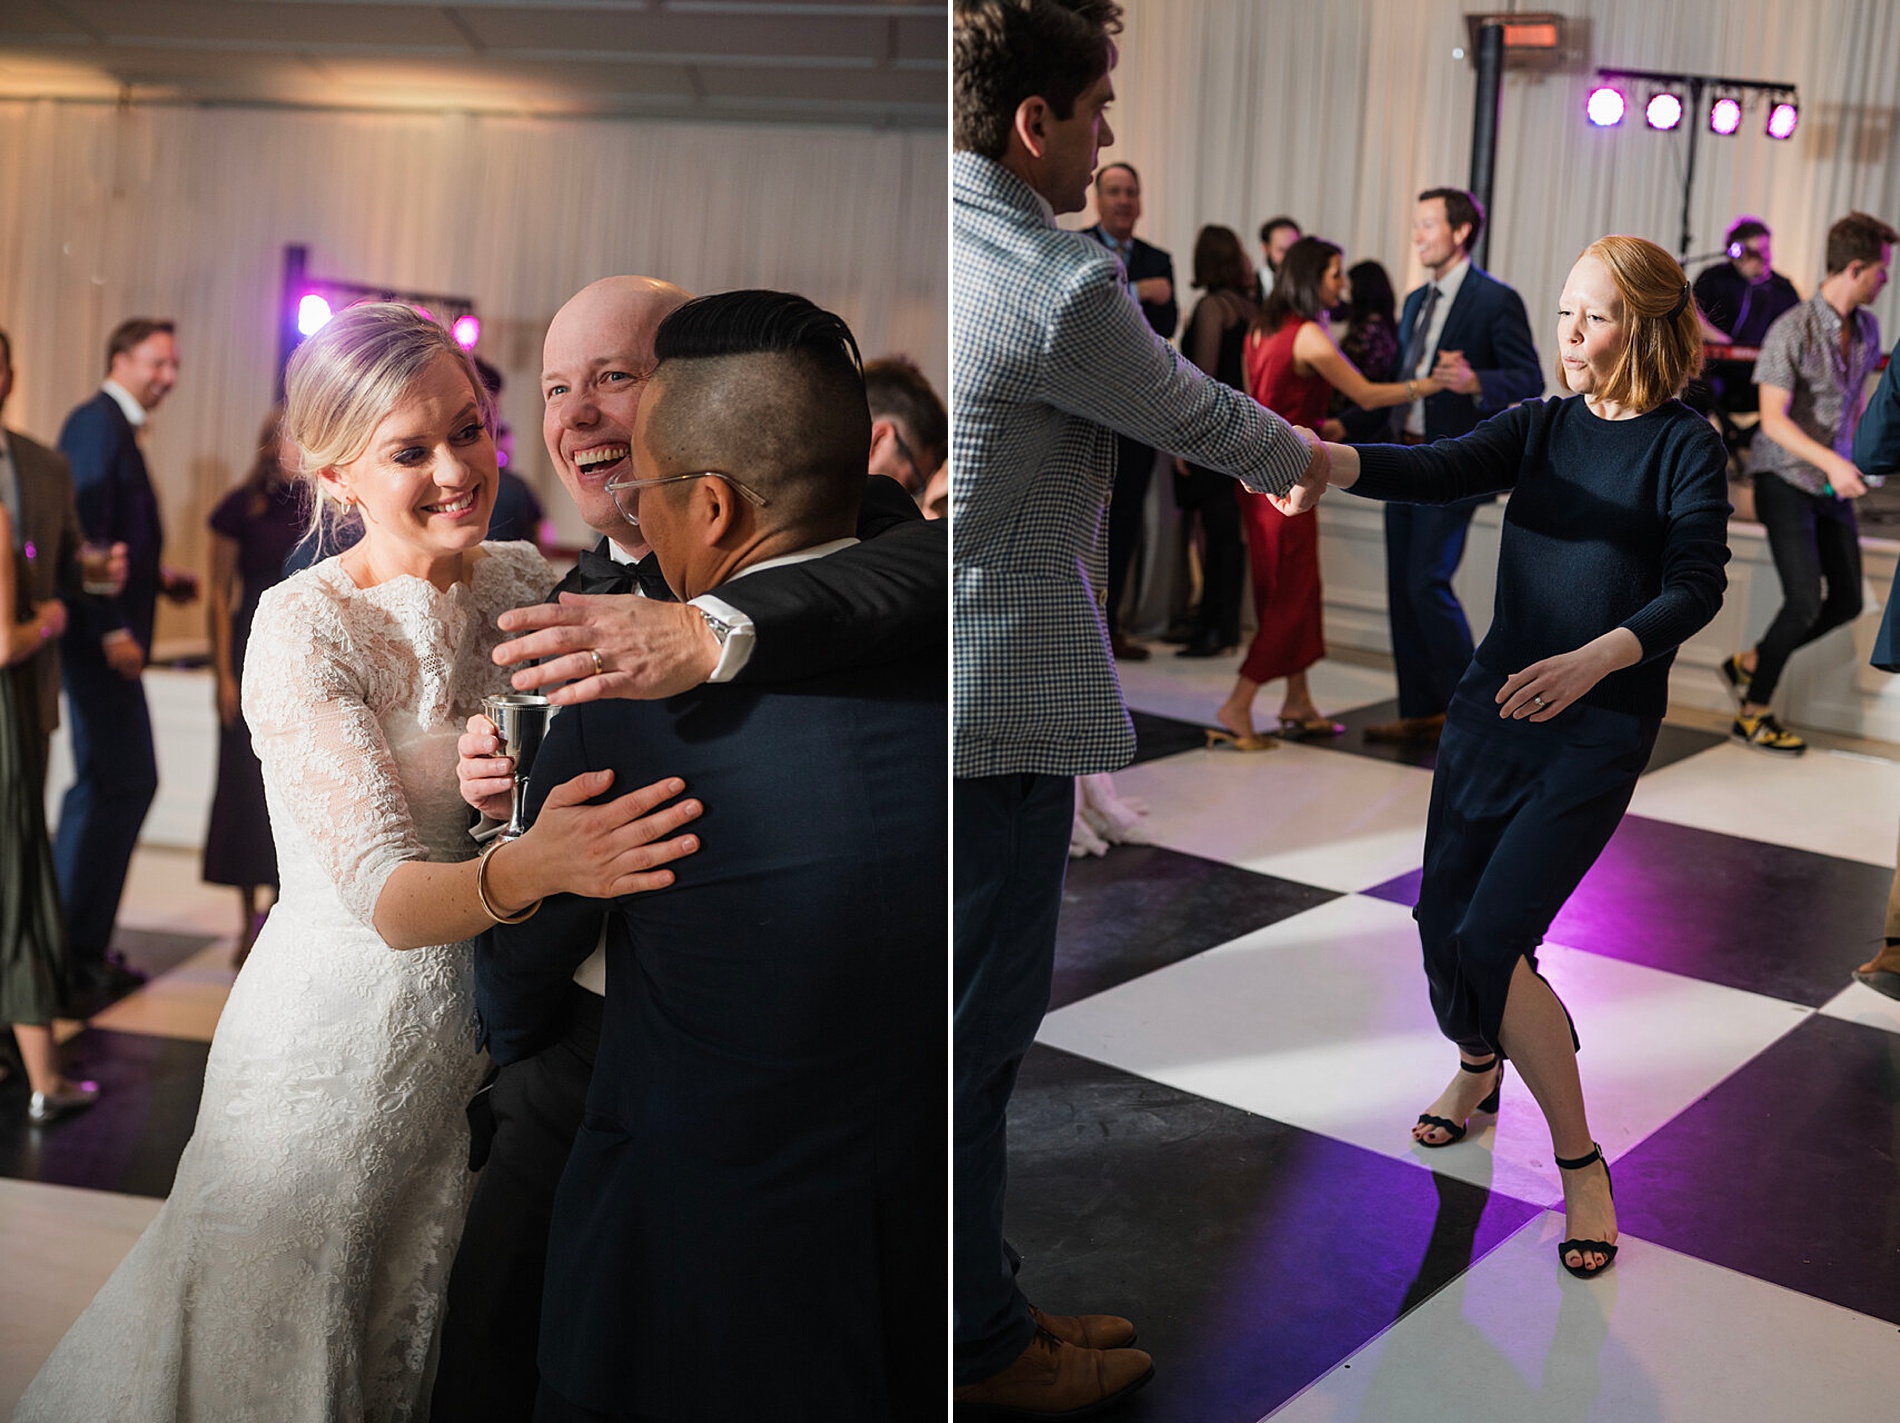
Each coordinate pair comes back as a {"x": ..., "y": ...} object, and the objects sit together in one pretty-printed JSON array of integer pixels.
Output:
[
  {"x": 1158, "y": 736},
  {"x": 1141, "y": 907},
  {"x": 1252, "y": 1256},
  {"x": 132, "y": 1139},
  {"x": 1423, "y": 754},
  {"x": 1787, "y": 1171},
  {"x": 1790, "y": 924},
  {"x": 1679, "y": 743}
]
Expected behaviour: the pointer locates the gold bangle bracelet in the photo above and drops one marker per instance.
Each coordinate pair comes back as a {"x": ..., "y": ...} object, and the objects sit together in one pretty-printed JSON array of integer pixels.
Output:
[
  {"x": 1411, "y": 390},
  {"x": 481, "y": 890}
]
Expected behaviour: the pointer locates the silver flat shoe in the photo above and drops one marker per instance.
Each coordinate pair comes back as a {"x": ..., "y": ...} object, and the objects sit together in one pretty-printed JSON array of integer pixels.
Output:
[
  {"x": 48, "y": 1107},
  {"x": 1881, "y": 980}
]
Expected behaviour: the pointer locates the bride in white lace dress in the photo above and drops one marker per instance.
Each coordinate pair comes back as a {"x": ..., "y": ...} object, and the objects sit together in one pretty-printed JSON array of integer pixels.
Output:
[{"x": 297, "y": 1270}]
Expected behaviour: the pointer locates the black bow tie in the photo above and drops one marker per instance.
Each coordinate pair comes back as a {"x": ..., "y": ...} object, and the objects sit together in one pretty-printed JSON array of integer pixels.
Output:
[{"x": 601, "y": 574}]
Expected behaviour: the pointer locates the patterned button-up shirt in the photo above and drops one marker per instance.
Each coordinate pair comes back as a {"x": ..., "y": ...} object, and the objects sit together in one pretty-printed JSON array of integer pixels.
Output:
[{"x": 1802, "y": 355}]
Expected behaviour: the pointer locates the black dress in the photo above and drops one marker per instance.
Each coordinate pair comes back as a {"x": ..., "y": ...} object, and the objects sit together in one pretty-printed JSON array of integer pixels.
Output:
[
  {"x": 1207, "y": 492},
  {"x": 238, "y": 845},
  {"x": 32, "y": 932}
]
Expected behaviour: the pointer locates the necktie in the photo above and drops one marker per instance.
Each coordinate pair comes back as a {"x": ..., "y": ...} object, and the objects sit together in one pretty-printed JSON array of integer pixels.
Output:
[
  {"x": 652, "y": 581},
  {"x": 1415, "y": 352},
  {"x": 597, "y": 573}
]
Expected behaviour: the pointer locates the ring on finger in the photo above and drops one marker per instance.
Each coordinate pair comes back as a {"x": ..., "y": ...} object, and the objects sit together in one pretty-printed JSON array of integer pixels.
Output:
[
  {"x": 599, "y": 666},
  {"x": 1534, "y": 697}
]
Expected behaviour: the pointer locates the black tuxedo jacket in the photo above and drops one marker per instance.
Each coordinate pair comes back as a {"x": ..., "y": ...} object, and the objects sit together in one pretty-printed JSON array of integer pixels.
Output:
[
  {"x": 882, "y": 600},
  {"x": 1487, "y": 323},
  {"x": 49, "y": 527},
  {"x": 1145, "y": 261},
  {"x": 116, "y": 505},
  {"x": 765, "y": 1128}
]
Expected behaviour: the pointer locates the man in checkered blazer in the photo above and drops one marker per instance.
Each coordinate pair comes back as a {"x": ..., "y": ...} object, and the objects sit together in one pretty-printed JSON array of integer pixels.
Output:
[{"x": 1052, "y": 360}]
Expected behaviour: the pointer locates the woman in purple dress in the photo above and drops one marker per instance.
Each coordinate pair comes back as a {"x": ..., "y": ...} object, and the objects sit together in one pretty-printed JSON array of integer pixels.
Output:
[{"x": 253, "y": 530}]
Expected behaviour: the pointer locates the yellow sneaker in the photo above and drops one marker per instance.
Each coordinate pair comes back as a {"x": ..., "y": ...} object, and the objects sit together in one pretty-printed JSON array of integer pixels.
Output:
[{"x": 1764, "y": 733}]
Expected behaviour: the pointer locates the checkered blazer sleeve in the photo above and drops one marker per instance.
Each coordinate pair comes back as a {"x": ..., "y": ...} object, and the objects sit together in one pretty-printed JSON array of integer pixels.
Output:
[{"x": 1106, "y": 365}]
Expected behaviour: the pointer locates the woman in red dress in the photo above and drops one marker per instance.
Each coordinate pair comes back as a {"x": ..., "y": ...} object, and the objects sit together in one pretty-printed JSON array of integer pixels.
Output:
[{"x": 1293, "y": 367}]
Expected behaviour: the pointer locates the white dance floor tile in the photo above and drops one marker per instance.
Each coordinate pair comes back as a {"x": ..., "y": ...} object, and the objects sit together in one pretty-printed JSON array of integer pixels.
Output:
[
  {"x": 1663, "y": 1338},
  {"x": 1831, "y": 802},
  {"x": 1300, "y": 812},
  {"x": 59, "y": 1244},
  {"x": 182, "y": 1002},
  {"x": 1857, "y": 1003},
  {"x": 1189, "y": 688},
  {"x": 164, "y": 890},
  {"x": 1322, "y": 1021}
]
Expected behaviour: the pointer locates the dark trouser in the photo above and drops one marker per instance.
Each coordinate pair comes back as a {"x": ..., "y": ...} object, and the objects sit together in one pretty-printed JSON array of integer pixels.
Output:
[
  {"x": 1813, "y": 538},
  {"x": 493, "y": 1321},
  {"x": 1011, "y": 852},
  {"x": 1133, "y": 464},
  {"x": 1431, "y": 641},
  {"x": 1223, "y": 556},
  {"x": 1520, "y": 810},
  {"x": 116, "y": 777}
]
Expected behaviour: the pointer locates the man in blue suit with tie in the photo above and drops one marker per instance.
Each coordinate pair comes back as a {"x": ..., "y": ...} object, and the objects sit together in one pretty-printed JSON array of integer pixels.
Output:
[
  {"x": 764, "y": 1135},
  {"x": 105, "y": 648},
  {"x": 1468, "y": 330}
]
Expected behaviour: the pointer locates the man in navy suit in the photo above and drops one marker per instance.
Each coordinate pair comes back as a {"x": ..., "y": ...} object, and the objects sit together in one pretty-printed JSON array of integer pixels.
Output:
[
  {"x": 107, "y": 642},
  {"x": 1467, "y": 329},
  {"x": 1151, "y": 278},
  {"x": 764, "y": 1135}
]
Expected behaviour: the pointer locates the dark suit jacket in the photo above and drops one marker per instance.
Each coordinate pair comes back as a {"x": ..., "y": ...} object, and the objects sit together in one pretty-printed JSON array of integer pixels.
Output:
[
  {"x": 877, "y": 602},
  {"x": 116, "y": 505},
  {"x": 1877, "y": 451},
  {"x": 765, "y": 1127},
  {"x": 49, "y": 527},
  {"x": 1487, "y": 323},
  {"x": 1145, "y": 261}
]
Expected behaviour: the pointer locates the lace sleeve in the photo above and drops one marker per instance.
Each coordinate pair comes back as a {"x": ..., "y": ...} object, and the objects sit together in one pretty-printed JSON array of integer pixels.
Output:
[{"x": 324, "y": 755}]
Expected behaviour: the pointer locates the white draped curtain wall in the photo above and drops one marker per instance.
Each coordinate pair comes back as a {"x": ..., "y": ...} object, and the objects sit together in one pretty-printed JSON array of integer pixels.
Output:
[
  {"x": 185, "y": 212},
  {"x": 1340, "y": 113}
]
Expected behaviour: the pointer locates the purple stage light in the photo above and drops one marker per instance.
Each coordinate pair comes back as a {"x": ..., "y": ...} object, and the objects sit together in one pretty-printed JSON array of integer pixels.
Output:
[
  {"x": 1605, "y": 107},
  {"x": 1664, "y": 111},
  {"x": 1782, "y": 119},
  {"x": 467, "y": 330},
  {"x": 1725, "y": 116},
  {"x": 312, "y": 312}
]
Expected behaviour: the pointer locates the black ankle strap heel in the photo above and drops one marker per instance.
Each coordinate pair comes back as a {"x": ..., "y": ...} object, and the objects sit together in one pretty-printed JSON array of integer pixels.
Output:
[
  {"x": 1455, "y": 1131},
  {"x": 1600, "y": 1247}
]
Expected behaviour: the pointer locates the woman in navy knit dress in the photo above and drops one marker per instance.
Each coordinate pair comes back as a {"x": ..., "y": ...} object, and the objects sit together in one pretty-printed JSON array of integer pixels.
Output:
[{"x": 1611, "y": 556}]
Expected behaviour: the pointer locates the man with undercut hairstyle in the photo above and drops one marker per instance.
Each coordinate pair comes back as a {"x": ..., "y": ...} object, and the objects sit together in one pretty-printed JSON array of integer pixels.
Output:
[
  {"x": 763, "y": 1138},
  {"x": 878, "y": 600}
]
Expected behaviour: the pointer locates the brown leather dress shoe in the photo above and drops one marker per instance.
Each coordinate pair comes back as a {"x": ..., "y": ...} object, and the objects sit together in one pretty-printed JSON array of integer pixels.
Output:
[
  {"x": 1126, "y": 651},
  {"x": 1416, "y": 730},
  {"x": 1087, "y": 1331},
  {"x": 1053, "y": 1379}
]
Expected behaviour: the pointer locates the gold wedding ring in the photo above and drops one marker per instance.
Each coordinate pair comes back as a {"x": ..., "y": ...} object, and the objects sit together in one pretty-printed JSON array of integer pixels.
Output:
[{"x": 599, "y": 666}]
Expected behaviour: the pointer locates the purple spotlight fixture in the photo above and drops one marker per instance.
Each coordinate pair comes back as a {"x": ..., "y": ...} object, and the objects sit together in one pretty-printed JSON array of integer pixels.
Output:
[
  {"x": 1663, "y": 112},
  {"x": 467, "y": 330},
  {"x": 312, "y": 312},
  {"x": 1781, "y": 120},
  {"x": 1725, "y": 116},
  {"x": 1605, "y": 107}
]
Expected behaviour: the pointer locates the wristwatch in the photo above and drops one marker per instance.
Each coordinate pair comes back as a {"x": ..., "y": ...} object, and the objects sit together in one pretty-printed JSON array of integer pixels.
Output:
[{"x": 721, "y": 629}]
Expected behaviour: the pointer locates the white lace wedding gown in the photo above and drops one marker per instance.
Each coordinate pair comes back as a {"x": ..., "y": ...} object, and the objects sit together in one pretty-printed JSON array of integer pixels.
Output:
[{"x": 298, "y": 1269}]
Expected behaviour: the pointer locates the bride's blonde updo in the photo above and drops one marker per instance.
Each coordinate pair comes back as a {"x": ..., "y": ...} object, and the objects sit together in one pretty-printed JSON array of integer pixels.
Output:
[{"x": 346, "y": 378}]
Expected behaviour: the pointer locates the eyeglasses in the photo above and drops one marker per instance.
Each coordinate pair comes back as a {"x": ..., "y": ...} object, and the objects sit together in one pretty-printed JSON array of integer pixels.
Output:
[
  {"x": 1746, "y": 253},
  {"x": 626, "y": 492}
]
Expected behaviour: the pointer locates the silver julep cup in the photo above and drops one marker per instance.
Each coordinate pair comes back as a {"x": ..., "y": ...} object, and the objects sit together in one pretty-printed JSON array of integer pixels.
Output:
[{"x": 522, "y": 719}]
